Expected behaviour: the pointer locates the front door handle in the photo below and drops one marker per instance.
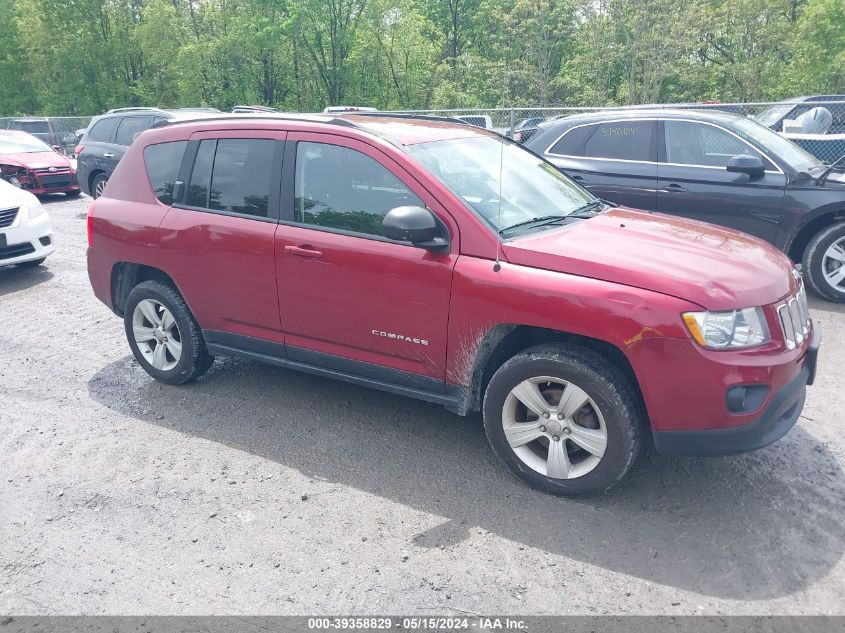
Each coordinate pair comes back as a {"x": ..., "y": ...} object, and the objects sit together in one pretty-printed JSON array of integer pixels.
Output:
[
  {"x": 108, "y": 155},
  {"x": 579, "y": 179},
  {"x": 674, "y": 188},
  {"x": 304, "y": 251}
]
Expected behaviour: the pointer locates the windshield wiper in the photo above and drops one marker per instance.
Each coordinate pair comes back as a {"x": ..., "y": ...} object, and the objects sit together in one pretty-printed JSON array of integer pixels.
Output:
[
  {"x": 541, "y": 221},
  {"x": 589, "y": 210},
  {"x": 820, "y": 180}
]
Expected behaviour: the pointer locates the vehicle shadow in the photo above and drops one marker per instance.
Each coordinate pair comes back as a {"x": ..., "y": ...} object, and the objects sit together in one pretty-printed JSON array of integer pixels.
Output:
[
  {"x": 16, "y": 278},
  {"x": 716, "y": 527}
]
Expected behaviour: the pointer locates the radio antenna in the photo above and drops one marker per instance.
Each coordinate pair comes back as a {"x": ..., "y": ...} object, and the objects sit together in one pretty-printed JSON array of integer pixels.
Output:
[{"x": 498, "y": 266}]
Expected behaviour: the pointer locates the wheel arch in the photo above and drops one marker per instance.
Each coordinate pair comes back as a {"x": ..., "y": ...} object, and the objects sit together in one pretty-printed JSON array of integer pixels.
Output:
[
  {"x": 503, "y": 341},
  {"x": 126, "y": 275},
  {"x": 91, "y": 176},
  {"x": 798, "y": 243}
]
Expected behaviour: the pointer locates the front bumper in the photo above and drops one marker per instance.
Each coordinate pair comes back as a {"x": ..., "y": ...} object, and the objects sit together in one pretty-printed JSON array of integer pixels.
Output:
[
  {"x": 773, "y": 423},
  {"x": 26, "y": 240}
]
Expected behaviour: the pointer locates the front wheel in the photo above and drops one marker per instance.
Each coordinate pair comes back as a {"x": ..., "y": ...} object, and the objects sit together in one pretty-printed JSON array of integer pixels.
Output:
[
  {"x": 824, "y": 263},
  {"x": 563, "y": 419},
  {"x": 163, "y": 335},
  {"x": 73, "y": 194}
]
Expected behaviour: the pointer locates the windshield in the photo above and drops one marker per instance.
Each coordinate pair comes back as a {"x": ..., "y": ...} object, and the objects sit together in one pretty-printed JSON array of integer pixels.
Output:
[
  {"x": 22, "y": 144},
  {"x": 39, "y": 127},
  {"x": 772, "y": 115},
  {"x": 531, "y": 188},
  {"x": 777, "y": 145}
]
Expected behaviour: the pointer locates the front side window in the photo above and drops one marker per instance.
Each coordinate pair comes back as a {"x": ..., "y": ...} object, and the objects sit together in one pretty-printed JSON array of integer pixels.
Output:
[
  {"x": 690, "y": 143},
  {"x": 502, "y": 182},
  {"x": 233, "y": 175},
  {"x": 163, "y": 162},
  {"x": 129, "y": 127},
  {"x": 621, "y": 140},
  {"x": 341, "y": 188}
]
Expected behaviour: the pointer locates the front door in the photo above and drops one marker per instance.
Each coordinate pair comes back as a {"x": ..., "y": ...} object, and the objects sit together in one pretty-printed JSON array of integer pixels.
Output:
[
  {"x": 693, "y": 180},
  {"x": 350, "y": 299}
]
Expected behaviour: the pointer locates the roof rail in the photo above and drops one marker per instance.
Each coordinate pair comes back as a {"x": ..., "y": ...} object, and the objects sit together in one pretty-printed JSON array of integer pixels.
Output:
[
  {"x": 269, "y": 116},
  {"x": 407, "y": 115},
  {"x": 134, "y": 109}
]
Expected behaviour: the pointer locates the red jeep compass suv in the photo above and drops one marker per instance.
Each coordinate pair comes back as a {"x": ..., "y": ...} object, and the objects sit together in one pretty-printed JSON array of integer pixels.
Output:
[{"x": 443, "y": 262}]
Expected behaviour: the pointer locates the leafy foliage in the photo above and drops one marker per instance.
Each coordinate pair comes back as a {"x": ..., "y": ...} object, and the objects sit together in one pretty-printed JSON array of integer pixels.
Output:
[{"x": 65, "y": 57}]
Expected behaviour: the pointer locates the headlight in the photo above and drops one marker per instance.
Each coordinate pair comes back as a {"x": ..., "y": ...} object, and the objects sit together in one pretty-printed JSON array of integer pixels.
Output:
[
  {"x": 35, "y": 208},
  {"x": 734, "y": 329}
]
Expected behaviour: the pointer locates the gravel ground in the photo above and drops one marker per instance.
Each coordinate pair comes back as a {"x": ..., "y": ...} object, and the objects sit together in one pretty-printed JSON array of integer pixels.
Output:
[{"x": 237, "y": 495}]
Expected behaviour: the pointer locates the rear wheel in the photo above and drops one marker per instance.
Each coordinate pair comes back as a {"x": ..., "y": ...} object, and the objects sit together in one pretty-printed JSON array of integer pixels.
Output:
[
  {"x": 98, "y": 185},
  {"x": 163, "y": 335},
  {"x": 563, "y": 419},
  {"x": 824, "y": 263}
]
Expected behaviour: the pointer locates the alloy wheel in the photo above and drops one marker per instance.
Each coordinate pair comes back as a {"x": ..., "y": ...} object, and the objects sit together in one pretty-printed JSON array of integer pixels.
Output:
[
  {"x": 833, "y": 265},
  {"x": 157, "y": 334},
  {"x": 554, "y": 427}
]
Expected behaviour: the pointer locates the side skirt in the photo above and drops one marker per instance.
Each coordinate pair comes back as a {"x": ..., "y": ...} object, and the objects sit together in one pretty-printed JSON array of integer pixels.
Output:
[{"x": 355, "y": 372}]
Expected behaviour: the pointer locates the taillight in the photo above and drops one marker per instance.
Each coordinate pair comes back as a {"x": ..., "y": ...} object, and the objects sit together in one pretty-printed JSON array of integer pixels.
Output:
[
  {"x": 78, "y": 150},
  {"x": 91, "y": 225}
]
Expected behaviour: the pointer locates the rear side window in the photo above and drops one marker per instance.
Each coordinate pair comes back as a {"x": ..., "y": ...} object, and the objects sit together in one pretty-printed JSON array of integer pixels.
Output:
[
  {"x": 572, "y": 142},
  {"x": 163, "y": 162},
  {"x": 233, "y": 174},
  {"x": 103, "y": 130},
  {"x": 626, "y": 140},
  {"x": 129, "y": 127},
  {"x": 342, "y": 188}
]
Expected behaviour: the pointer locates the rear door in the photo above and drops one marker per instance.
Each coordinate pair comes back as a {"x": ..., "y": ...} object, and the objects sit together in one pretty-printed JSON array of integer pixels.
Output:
[
  {"x": 217, "y": 241},
  {"x": 693, "y": 180},
  {"x": 615, "y": 160}
]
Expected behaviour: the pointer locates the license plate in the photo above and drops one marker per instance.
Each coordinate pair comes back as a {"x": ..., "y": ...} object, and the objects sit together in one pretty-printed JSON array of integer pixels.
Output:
[{"x": 2, "y": 240}]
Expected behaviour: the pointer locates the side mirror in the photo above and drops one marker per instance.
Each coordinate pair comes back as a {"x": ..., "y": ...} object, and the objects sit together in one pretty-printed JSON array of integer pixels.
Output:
[
  {"x": 415, "y": 225},
  {"x": 746, "y": 164},
  {"x": 57, "y": 148}
]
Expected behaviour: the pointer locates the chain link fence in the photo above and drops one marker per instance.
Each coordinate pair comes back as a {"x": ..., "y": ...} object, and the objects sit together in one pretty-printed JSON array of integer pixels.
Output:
[{"x": 816, "y": 124}]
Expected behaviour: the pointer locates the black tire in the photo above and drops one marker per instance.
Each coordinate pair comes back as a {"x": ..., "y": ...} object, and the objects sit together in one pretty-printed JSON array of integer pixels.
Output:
[
  {"x": 33, "y": 264},
  {"x": 813, "y": 262},
  {"x": 73, "y": 194},
  {"x": 97, "y": 183},
  {"x": 605, "y": 385},
  {"x": 195, "y": 359}
]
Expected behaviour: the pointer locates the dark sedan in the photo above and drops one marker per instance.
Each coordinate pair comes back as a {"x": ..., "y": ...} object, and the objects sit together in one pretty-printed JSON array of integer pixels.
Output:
[{"x": 711, "y": 166}]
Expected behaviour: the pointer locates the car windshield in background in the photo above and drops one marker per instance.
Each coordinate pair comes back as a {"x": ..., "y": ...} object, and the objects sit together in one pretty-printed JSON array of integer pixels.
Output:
[
  {"x": 770, "y": 116},
  {"x": 22, "y": 145},
  {"x": 475, "y": 169},
  {"x": 39, "y": 127},
  {"x": 777, "y": 145}
]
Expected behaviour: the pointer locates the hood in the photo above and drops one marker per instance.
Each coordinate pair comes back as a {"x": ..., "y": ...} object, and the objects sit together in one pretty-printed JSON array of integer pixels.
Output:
[
  {"x": 11, "y": 196},
  {"x": 717, "y": 268},
  {"x": 35, "y": 160}
]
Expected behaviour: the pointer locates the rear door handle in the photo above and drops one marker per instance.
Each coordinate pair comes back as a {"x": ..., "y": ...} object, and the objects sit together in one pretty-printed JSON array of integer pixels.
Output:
[
  {"x": 304, "y": 251},
  {"x": 579, "y": 179},
  {"x": 108, "y": 155},
  {"x": 674, "y": 188}
]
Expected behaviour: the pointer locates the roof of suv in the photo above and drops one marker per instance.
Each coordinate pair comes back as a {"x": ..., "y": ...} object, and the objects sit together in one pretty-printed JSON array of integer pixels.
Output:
[
  {"x": 396, "y": 128},
  {"x": 707, "y": 114}
]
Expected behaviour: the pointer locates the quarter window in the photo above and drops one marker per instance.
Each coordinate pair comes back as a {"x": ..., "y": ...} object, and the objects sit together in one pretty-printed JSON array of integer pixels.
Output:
[
  {"x": 103, "y": 130},
  {"x": 232, "y": 175},
  {"x": 572, "y": 142},
  {"x": 690, "y": 143},
  {"x": 625, "y": 140},
  {"x": 163, "y": 162},
  {"x": 129, "y": 127},
  {"x": 341, "y": 188}
]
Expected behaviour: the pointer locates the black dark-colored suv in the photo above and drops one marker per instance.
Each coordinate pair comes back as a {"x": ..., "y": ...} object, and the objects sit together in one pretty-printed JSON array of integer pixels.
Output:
[
  {"x": 109, "y": 135},
  {"x": 712, "y": 166}
]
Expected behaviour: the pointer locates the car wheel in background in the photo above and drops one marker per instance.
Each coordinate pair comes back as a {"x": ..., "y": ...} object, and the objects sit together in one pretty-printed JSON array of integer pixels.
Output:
[
  {"x": 72, "y": 194},
  {"x": 824, "y": 263},
  {"x": 563, "y": 419},
  {"x": 98, "y": 185},
  {"x": 163, "y": 334}
]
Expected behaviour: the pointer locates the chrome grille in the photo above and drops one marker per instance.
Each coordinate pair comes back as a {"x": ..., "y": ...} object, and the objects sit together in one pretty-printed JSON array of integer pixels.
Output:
[
  {"x": 7, "y": 217},
  {"x": 794, "y": 318}
]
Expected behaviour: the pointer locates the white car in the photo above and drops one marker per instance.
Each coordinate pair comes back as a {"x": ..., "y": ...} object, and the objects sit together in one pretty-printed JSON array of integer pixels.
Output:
[{"x": 26, "y": 235}]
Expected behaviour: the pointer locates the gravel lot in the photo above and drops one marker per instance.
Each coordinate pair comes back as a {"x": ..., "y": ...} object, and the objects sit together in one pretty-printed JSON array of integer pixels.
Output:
[{"x": 259, "y": 490}]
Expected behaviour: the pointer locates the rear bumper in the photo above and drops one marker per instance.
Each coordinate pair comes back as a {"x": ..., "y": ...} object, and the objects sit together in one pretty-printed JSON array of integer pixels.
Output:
[{"x": 773, "y": 423}]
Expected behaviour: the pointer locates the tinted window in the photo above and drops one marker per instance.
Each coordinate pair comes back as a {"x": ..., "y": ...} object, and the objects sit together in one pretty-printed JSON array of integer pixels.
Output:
[
  {"x": 129, "y": 127},
  {"x": 103, "y": 130},
  {"x": 233, "y": 174},
  {"x": 698, "y": 144},
  {"x": 38, "y": 127},
  {"x": 572, "y": 142},
  {"x": 163, "y": 162},
  {"x": 201, "y": 175},
  {"x": 341, "y": 188},
  {"x": 628, "y": 140}
]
